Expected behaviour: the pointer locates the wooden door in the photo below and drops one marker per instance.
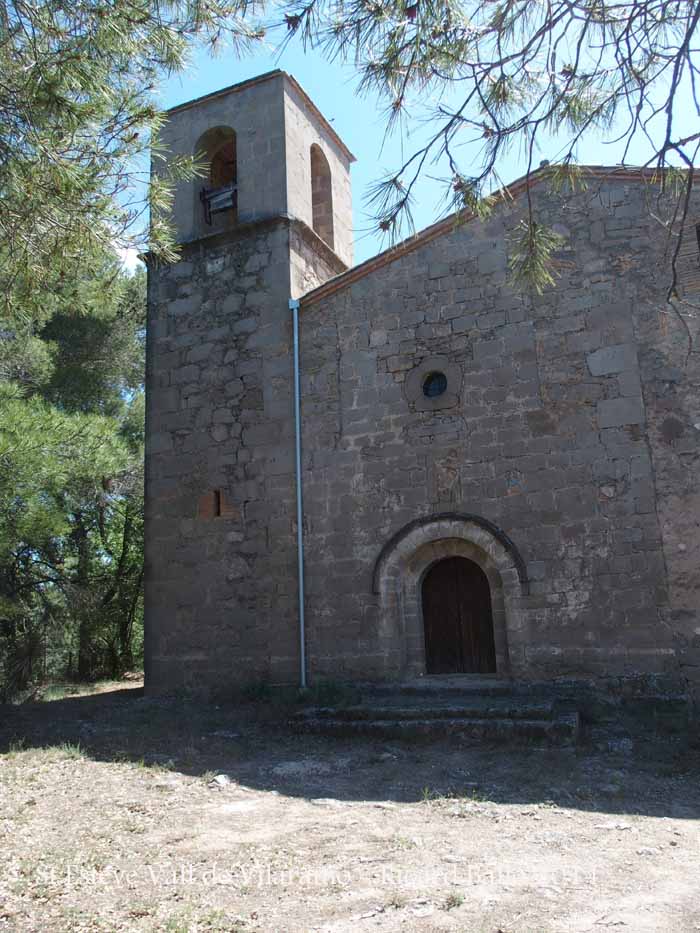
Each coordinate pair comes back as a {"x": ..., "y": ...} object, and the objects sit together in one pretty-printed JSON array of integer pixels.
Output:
[{"x": 457, "y": 619}]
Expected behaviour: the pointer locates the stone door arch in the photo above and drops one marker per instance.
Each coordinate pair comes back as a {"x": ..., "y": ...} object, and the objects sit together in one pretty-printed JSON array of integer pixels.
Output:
[{"x": 404, "y": 561}]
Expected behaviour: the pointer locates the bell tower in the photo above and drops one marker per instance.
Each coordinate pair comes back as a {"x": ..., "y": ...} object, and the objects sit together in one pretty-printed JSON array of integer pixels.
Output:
[{"x": 271, "y": 219}]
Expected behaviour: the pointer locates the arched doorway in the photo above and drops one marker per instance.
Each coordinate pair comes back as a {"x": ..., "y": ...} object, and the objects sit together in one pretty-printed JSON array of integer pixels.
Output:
[{"x": 457, "y": 619}]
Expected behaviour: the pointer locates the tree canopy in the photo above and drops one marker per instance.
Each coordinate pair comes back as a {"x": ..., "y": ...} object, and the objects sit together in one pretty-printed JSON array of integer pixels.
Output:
[
  {"x": 512, "y": 73},
  {"x": 79, "y": 85},
  {"x": 78, "y": 120},
  {"x": 71, "y": 487}
]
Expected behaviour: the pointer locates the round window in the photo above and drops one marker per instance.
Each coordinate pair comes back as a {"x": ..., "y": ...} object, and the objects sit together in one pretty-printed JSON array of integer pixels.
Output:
[{"x": 434, "y": 384}]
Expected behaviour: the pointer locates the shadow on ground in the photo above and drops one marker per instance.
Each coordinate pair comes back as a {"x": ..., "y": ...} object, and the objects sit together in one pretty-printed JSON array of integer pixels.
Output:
[{"x": 253, "y": 745}]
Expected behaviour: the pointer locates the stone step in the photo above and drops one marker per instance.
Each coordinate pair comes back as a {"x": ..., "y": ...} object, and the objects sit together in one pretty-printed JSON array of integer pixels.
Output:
[
  {"x": 462, "y": 686},
  {"x": 422, "y": 708},
  {"x": 560, "y": 730}
]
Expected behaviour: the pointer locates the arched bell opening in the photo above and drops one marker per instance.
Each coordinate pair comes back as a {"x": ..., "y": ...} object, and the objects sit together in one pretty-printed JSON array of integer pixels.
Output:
[
  {"x": 216, "y": 203},
  {"x": 321, "y": 195}
]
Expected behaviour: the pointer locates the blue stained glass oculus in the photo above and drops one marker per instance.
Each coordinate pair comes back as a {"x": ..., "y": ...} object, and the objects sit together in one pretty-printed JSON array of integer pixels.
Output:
[{"x": 434, "y": 384}]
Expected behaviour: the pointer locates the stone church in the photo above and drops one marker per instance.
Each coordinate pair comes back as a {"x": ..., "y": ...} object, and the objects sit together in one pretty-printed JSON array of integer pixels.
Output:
[{"x": 409, "y": 466}]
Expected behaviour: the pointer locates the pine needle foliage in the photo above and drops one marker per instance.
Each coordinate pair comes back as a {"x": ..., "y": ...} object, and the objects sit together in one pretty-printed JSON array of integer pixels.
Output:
[
  {"x": 530, "y": 257},
  {"x": 71, "y": 487},
  {"x": 79, "y": 116},
  {"x": 492, "y": 75}
]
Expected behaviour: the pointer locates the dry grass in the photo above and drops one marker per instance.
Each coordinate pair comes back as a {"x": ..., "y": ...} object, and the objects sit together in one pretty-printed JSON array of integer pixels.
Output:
[{"x": 111, "y": 820}]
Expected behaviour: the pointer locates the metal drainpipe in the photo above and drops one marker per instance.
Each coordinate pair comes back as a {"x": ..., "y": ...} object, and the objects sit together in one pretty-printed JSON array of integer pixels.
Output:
[{"x": 294, "y": 308}]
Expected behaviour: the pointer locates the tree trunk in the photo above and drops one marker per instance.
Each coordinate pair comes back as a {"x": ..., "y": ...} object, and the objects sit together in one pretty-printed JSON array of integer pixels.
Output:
[{"x": 82, "y": 581}]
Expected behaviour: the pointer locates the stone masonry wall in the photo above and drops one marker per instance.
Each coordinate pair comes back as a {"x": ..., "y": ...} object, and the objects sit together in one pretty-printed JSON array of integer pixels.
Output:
[
  {"x": 312, "y": 262},
  {"x": 221, "y": 591},
  {"x": 570, "y": 423},
  {"x": 546, "y": 436},
  {"x": 669, "y": 338}
]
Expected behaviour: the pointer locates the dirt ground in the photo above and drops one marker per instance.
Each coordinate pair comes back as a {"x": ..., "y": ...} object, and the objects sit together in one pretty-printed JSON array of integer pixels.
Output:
[{"x": 121, "y": 813}]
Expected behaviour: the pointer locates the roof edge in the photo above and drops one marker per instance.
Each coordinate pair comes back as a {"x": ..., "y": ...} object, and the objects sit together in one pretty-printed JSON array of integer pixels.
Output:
[
  {"x": 443, "y": 226},
  {"x": 238, "y": 86},
  {"x": 317, "y": 113},
  {"x": 260, "y": 79}
]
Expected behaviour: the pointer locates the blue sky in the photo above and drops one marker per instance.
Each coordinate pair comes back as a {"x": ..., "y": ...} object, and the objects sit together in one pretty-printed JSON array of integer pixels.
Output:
[{"x": 360, "y": 123}]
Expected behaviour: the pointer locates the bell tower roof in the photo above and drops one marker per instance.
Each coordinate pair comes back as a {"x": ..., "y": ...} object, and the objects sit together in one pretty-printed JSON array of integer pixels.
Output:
[{"x": 267, "y": 76}]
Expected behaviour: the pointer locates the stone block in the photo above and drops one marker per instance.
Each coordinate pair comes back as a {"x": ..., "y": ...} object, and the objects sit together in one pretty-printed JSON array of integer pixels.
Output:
[
  {"x": 491, "y": 320},
  {"x": 629, "y": 383},
  {"x": 199, "y": 353},
  {"x": 618, "y": 412},
  {"x": 487, "y": 350},
  {"x": 610, "y": 360},
  {"x": 184, "y": 306},
  {"x": 437, "y": 270},
  {"x": 246, "y": 325},
  {"x": 492, "y": 261}
]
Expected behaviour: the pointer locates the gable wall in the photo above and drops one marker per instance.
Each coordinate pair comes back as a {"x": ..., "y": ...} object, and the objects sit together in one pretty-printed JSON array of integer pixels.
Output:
[{"x": 547, "y": 439}]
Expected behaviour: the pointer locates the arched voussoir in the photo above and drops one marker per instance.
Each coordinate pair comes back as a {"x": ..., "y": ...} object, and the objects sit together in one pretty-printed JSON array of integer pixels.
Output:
[{"x": 474, "y": 528}]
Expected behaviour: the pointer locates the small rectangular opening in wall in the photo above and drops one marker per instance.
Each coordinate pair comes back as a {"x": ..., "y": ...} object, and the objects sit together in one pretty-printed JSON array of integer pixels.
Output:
[
  {"x": 211, "y": 504},
  {"x": 697, "y": 236},
  {"x": 216, "y": 504}
]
